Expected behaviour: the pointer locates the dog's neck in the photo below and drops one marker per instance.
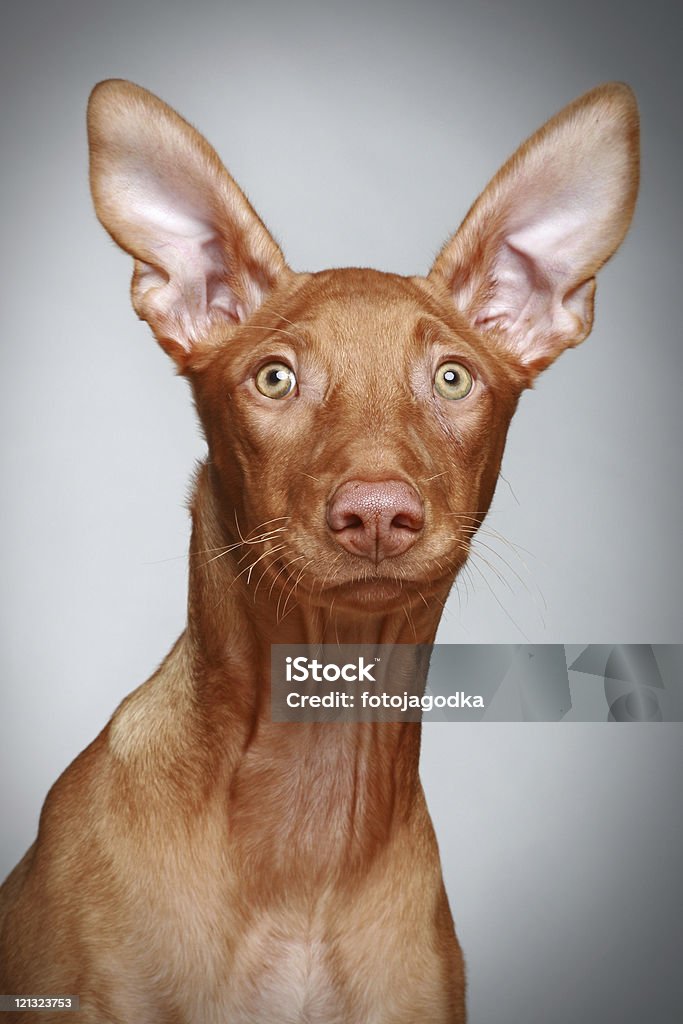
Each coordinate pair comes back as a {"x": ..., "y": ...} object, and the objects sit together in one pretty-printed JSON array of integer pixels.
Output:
[{"x": 292, "y": 786}]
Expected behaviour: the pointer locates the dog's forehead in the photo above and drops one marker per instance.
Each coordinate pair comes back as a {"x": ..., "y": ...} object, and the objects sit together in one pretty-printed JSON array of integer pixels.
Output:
[
  {"x": 360, "y": 308},
  {"x": 342, "y": 284}
]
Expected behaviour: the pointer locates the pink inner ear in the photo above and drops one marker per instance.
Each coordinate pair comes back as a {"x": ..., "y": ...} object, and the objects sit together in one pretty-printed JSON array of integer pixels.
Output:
[
  {"x": 531, "y": 310},
  {"x": 531, "y": 295},
  {"x": 183, "y": 281},
  {"x": 528, "y": 286}
]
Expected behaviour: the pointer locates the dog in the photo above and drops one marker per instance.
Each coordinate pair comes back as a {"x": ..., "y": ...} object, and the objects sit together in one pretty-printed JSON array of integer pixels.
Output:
[{"x": 200, "y": 863}]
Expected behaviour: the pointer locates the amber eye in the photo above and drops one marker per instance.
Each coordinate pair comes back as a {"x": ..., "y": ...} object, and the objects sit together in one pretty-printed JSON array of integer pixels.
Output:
[
  {"x": 276, "y": 380},
  {"x": 453, "y": 380}
]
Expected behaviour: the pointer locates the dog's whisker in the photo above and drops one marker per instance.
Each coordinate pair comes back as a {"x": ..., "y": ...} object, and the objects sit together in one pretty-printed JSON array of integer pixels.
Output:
[
  {"x": 500, "y": 604},
  {"x": 475, "y": 552},
  {"x": 279, "y": 573},
  {"x": 479, "y": 543},
  {"x": 257, "y": 540},
  {"x": 476, "y": 555},
  {"x": 275, "y": 519},
  {"x": 486, "y": 528},
  {"x": 292, "y": 593},
  {"x": 331, "y": 566},
  {"x": 254, "y": 564},
  {"x": 262, "y": 576},
  {"x": 239, "y": 532},
  {"x": 221, "y": 554},
  {"x": 162, "y": 561},
  {"x": 426, "y": 480},
  {"x": 242, "y": 543},
  {"x": 296, "y": 584},
  {"x": 249, "y": 568},
  {"x": 284, "y": 592}
]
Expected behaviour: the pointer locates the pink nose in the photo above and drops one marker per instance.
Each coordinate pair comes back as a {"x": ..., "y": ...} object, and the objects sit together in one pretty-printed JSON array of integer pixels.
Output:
[{"x": 376, "y": 520}]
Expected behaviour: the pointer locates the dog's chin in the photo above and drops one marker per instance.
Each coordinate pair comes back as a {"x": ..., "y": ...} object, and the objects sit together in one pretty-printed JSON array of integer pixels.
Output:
[{"x": 377, "y": 594}]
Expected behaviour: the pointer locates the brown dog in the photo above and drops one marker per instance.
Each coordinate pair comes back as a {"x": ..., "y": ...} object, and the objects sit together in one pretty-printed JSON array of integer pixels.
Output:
[{"x": 199, "y": 863}]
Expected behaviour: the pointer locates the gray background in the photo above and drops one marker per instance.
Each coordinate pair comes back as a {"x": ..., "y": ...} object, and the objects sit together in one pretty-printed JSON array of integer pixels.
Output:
[{"x": 362, "y": 132}]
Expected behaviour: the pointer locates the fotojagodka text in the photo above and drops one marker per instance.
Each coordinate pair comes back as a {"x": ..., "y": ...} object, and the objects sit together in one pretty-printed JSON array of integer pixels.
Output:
[{"x": 397, "y": 701}]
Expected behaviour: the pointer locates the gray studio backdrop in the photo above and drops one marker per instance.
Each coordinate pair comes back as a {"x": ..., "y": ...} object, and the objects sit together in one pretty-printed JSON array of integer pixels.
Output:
[{"x": 361, "y": 133}]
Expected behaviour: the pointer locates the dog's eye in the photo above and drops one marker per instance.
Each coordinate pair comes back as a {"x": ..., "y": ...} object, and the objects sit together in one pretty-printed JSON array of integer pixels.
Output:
[
  {"x": 276, "y": 380},
  {"x": 453, "y": 380}
]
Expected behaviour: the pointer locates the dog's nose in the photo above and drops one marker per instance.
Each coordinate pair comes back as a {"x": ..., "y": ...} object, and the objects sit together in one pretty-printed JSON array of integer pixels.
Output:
[{"x": 377, "y": 520}]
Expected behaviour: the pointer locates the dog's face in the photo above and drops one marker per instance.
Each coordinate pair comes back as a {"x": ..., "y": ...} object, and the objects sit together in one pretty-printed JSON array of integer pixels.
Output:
[
  {"x": 355, "y": 376},
  {"x": 356, "y": 420}
]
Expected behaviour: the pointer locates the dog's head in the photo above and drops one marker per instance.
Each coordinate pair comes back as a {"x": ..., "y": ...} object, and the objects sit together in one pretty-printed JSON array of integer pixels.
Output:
[{"x": 356, "y": 420}]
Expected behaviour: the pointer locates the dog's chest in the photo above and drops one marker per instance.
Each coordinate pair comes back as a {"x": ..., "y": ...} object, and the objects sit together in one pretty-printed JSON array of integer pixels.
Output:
[
  {"x": 288, "y": 980},
  {"x": 274, "y": 978}
]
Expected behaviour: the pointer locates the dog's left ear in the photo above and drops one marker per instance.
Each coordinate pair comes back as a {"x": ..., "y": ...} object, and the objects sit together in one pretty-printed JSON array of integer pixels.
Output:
[{"x": 522, "y": 264}]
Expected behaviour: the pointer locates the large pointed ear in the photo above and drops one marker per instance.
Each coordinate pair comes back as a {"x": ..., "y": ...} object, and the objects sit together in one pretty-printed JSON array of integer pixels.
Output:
[
  {"x": 522, "y": 264},
  {"x": 201, "y": 253}
]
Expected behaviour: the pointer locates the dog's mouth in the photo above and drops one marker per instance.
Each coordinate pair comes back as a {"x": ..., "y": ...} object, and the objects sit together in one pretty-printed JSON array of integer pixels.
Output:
[{"x": 353, "y": 582}]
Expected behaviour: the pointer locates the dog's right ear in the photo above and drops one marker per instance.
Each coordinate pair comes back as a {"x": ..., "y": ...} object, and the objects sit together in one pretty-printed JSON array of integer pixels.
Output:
[{"x": 202, "y": 255}]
